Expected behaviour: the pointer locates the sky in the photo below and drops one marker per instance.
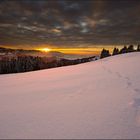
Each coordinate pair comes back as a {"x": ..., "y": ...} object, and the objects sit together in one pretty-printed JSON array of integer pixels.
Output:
[{"x": 68, "y": 24}]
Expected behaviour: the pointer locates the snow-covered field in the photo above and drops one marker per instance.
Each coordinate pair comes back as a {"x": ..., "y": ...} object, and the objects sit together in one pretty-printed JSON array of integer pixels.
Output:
[{"x": 99, "y": 99}]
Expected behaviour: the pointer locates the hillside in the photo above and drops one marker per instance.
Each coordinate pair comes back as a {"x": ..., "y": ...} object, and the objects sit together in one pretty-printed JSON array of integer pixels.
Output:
[{"x": 99, "y": 99}]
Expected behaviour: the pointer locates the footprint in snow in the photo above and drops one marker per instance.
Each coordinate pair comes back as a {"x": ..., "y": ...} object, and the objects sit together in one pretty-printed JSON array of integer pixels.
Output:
[
  {"x": 127, "y": 78},
  {"x": 109, "y": 71},
  {"x": 137, "y": 90},
  {"x": 136, "y": 102},
  {"x": 136, "y": 105},
  {"x": 129, "y": 83},
  {"x": 106, "y": 69},
  {"x": 119, "y": 75}
]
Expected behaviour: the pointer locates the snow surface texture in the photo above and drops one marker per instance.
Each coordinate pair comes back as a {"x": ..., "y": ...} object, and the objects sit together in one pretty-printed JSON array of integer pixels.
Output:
[{"x": 99, "y": 99}]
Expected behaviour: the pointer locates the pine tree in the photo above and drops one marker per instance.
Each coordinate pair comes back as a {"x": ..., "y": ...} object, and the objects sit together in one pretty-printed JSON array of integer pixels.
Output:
[
  {"x": 115, "y": 51},
  {"x": 130, "y": 48},
  {"x": 123, "y": 50},
  {"x": 138, "y": 48},
  {"x": 104, "y": 53}
]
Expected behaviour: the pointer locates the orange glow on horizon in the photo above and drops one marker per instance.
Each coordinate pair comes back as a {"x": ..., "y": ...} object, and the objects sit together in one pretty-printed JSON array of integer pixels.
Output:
[
  {"x": 91, "y": 50},
  {"x": 44, "y": 49},
  {"x": 79, "y": 51}
]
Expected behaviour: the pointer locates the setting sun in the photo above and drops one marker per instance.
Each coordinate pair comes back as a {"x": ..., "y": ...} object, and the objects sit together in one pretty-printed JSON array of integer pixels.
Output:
[{"x": 44, "y": 49}]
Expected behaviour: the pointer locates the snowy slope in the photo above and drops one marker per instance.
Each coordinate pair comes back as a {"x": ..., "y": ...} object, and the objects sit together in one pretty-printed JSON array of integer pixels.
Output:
[{"x": 98, "y": 99}]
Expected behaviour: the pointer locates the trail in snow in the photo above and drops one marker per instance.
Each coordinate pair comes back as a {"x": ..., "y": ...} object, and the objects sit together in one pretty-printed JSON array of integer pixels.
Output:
[{"x": 136, "y": 101}]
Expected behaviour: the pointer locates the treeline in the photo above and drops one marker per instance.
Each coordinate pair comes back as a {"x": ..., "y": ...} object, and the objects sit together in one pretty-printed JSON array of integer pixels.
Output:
[
  {"x": 20, "y": 64},
  {"x": 116, "y": 51},
  {"x": 31, "y": 63}
]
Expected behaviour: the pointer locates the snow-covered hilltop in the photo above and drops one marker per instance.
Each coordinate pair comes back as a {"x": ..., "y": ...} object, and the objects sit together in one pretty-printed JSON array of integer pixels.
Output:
[{"x": 99, "y": 99}]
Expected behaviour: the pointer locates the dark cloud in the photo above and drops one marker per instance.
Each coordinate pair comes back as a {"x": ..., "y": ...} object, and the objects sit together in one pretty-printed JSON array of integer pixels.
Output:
[{"x": 69, "y": 22}]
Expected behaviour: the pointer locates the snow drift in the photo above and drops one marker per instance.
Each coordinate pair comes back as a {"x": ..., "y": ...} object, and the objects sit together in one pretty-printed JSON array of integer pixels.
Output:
[{"x": 99, "y": 99}]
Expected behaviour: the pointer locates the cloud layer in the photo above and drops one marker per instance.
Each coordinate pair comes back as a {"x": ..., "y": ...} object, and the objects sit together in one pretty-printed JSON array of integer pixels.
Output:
[{"x": 69, "y": 22}]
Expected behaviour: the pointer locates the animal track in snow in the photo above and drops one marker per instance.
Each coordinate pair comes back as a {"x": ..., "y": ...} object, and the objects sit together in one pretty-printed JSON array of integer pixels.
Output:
[
  {"x": 136, "y": 102},
  {"x": 129, "y": 83},
  {"x": 137, "y": 90},
  {"x": 127, "y": 78},
  {"x": 119, "y": 75},
  {"x": 136, "y": 105}
]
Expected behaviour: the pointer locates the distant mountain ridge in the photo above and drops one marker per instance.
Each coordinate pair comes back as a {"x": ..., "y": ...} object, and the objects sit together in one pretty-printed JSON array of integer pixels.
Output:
[{"x": 31, "y": 52}]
